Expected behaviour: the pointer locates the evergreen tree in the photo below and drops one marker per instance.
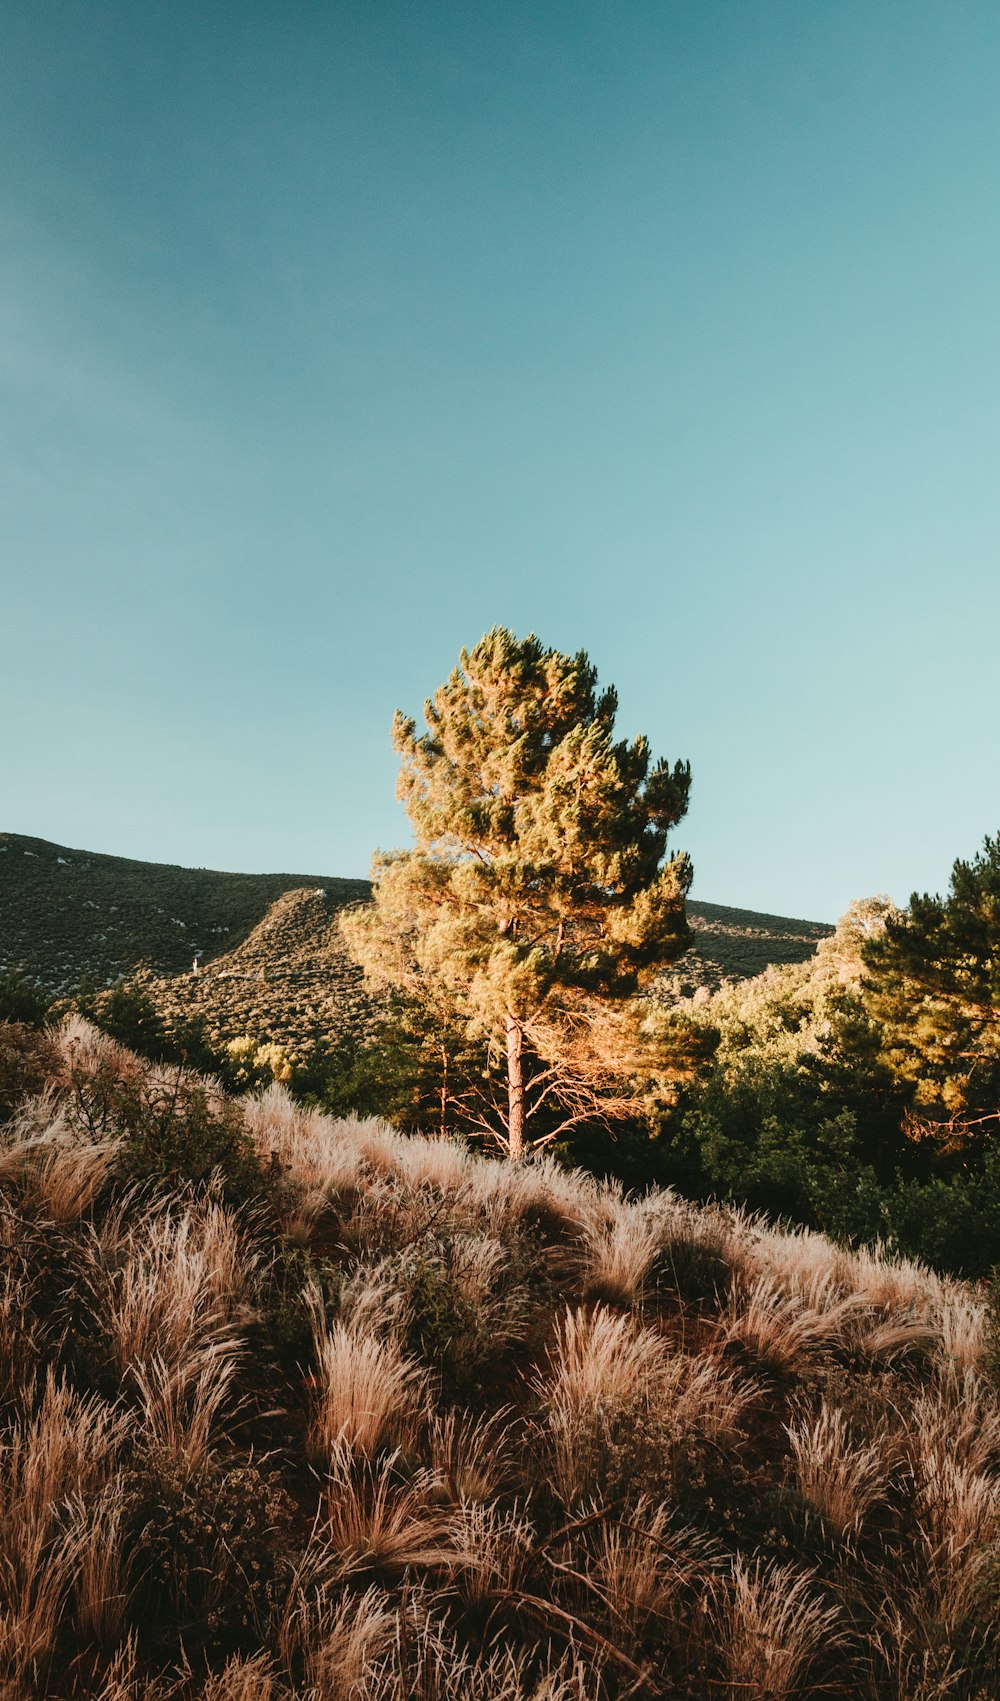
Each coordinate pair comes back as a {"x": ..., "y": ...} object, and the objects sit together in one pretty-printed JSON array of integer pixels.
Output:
[
  {"x": 537, "y": 900},
  {"x": 933, "y": 987}
]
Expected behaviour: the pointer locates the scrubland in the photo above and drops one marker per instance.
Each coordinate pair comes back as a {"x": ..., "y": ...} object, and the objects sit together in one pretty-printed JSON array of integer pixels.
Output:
[{"x": 295, "y": 1407}]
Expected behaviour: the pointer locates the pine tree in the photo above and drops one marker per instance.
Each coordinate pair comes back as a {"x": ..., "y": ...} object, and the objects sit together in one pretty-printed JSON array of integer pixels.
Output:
[
  {"x": 537, "y": 901},
  {"x": 933, "y": 987}
]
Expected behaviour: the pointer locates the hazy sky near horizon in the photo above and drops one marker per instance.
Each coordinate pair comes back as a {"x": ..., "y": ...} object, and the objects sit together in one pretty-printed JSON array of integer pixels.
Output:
[{"x": 334, "y": 334}]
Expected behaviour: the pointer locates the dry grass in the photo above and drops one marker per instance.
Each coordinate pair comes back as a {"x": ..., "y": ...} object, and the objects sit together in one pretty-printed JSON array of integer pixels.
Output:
[
  {"x": 58, "y": 1173},
  {"x": 57, "y": 1532},
  {"x": 785, "y": 1332},
  {"x": 368, "y": 1394},
  {"x": 470, "y": 1455},
  {"x": 244, "y": 1679},
  {"x": 600, "y": 1358},
  {"x": 621, "y": 1244},
  {"x": 491, "y": 1551},
  {"x": 376, "y": 1518},
  {"x": 167, "y": 1283},
  {"x": 607, "y": 1375},
  {"x": 274, "y": 1433},
  {"x": 775, "y": 1628},
  {"x": 183, "y": 1401},
  {"x": 840, "y": 1479},
  {"x": 645, "y": 1567},
  {"x": 346, "y": 1642},
  {"x": 600, "y": 1363},
  {"x": 324, "y": 1158}
]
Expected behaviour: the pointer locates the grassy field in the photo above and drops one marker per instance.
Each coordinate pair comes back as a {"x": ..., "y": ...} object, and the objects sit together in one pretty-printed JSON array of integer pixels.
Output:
[{"x": 294, "y": 1409}]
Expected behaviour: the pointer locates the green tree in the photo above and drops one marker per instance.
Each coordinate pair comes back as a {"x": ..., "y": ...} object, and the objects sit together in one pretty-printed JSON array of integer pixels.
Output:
[
  {"x": 22, "y": 1000},
  {"x": 932, "y": 986},
  {"x": 537, "y": 900}
]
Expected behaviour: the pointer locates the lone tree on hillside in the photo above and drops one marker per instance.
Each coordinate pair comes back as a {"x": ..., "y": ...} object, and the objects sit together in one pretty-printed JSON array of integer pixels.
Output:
[{"x": 537, "y": 900}]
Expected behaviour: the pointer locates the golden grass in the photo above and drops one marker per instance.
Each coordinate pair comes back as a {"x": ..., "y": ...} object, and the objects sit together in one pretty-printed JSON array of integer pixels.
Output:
[
  {"x": 840, "y": 1479},
  {"x": 589, "y": 1528},
  {"x": 377, "y": 1519},
  {"x": 784, "y": 1331},
  {"x": 168, "y": 1283},
  {"x": 621, "y": 1242},
  {"x": 603, "y": 1367},
  {"x": 470, "y": 1455},
  {"x": 367, "y": 1392},
  {"x": 345, "y": 1641},
  {"x": 774, "y": 1629},
  {"x": 54, "y": 1520},
  {"x": 646, "y": 1564}
]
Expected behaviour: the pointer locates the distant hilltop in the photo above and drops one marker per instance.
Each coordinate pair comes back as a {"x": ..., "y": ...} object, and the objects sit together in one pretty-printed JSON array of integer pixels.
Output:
[
  {"x": 268, "y": 945},
  {"x": 67, "y": 914}
]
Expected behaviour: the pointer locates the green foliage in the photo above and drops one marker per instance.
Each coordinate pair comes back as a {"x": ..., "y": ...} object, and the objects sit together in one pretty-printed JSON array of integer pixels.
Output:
[
  {"x": 389, "y": 1074},
  {"x": 693, "y": 1269},
  {"x": 22, "y": 1000},
  {"x": 808, "y": 1110},
  {"x": 446, "y": 1326},
  {"x": 129, "y": 1015},
  {"x": 182, "y": 1132},
  {"x": 932, "y": 986},
  {"x": 537, "y": 897}
]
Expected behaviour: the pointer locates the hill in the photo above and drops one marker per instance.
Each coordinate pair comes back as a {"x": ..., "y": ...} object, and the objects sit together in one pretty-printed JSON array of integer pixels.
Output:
[
  {"x": 316, "y": 1412},
  {"x": 271, "y": 962},
  {"x": 71, "y": 914}
]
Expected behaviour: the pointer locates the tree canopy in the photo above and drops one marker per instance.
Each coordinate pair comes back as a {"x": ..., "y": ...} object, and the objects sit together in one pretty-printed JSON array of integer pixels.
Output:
[
  {"x": 539, "y": 897},
  {"x": 932, "y": 985}
]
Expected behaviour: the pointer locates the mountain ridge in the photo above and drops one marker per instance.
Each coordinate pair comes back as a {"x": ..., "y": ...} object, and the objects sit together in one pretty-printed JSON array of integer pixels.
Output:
[{"x": 271, "y": 961}]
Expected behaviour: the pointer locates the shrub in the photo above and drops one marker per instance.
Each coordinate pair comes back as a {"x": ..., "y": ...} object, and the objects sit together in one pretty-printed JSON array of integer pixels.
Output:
[
  {"x": 174, "y": 1126},
  {"x": 463, "y": 1305},
  {"x": 27, "y": 1060},
  {"x": 21, "y": 1000},
  {"x": 205, "y": 1555}
]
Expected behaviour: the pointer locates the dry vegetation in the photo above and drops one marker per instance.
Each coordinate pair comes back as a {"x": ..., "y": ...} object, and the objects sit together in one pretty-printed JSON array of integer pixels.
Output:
[{"x": 300, "y": 1408}]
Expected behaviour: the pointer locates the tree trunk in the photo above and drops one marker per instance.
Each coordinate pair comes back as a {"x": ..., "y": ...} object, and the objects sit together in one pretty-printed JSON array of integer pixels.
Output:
[{"x": 515, "y": 1091}]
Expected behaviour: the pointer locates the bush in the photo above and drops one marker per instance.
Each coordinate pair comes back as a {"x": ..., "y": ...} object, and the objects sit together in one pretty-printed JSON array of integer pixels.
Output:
[
  {"x": 174, "y": 1126},
  {"x": 21, "y": 1000},
  {"x": 465, "y": 1301},
  {"x": 205, "y": 1556},
  {"x": 27, "y": 1060},
  {"x": 181, "y": 1131}
]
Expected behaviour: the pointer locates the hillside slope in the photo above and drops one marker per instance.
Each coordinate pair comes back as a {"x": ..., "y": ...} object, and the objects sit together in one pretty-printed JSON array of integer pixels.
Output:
[
  {"x": 291, "y": 980},
  {"x": 329, "y": 1414},
  {"x": 67, "y": 914},
  {"x": 272, "y": 963}
]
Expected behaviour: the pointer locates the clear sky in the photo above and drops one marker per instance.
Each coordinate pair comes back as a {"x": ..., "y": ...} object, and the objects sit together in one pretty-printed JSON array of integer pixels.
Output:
[{"x": 333, "y": 334}]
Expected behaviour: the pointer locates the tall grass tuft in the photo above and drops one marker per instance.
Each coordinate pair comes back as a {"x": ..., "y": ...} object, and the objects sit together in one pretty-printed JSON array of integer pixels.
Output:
[
  {"x": 840, "y": 1479},
  {"x": 775, "y": 1629}
]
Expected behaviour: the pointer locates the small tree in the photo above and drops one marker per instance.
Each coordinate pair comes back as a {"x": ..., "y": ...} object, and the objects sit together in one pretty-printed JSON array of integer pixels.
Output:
[{"x": 537, "y": 900}]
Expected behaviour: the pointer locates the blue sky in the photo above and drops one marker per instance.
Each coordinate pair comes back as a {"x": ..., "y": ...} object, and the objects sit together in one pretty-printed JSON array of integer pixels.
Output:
[{"x": 333, "y": 334}]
